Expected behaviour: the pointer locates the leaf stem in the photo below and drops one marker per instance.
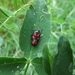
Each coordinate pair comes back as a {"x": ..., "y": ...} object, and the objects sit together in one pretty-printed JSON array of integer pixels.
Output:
[{"x": 26, "y": 68}]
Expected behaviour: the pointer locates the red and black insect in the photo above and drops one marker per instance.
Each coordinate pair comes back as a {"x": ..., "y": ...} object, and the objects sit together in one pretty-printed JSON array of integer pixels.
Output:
[{"x": 35, "y": 37}]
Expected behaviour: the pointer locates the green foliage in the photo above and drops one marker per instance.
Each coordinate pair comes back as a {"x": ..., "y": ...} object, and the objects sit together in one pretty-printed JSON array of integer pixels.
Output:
[
  {"x": 46, "y": 60},
  {"x": 63, "y": 61},
  {"x": 15, "y": 4},
  {"x": 37, "y": 63},
  {"x": 62, "y": 22},
  {"x": 4, "y": 12},
  {"x": 37, "y": 17},
  {"x": 10, "y": 27},
  {"x": 11, "y": 66}
]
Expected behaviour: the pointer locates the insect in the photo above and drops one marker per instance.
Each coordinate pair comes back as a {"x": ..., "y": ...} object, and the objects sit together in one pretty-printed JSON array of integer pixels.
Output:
[{"x": 35, "y": 37}]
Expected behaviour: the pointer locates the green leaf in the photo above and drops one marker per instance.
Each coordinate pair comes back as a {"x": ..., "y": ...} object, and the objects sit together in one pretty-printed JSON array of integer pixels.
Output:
[
  {"x": 31, "y": 3},
  {"x": 6, "y": 25},
  {"x": 25, "y": 7},
  {"x": 23, "y": 1},
  {"x": 15, "y": 4},
  {"x": 46, "y": 60},
  {"x": 63, "y": 62},
  {"x": 10, "y": 66},
  {"x": 1, "y": 41},
  {"x": 37, "y": 17},
  {"x": 38, "y": 65},
  {"x": 4, "y": 12}
]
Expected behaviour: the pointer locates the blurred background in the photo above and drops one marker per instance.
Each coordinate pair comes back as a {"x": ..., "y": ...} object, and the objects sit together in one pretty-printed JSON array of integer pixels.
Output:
[{"x": 12, "y": 13}]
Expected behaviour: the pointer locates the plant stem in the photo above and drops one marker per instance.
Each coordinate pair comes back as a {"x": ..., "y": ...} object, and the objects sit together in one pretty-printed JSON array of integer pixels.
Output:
[{"x": 26, "y": 68}]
